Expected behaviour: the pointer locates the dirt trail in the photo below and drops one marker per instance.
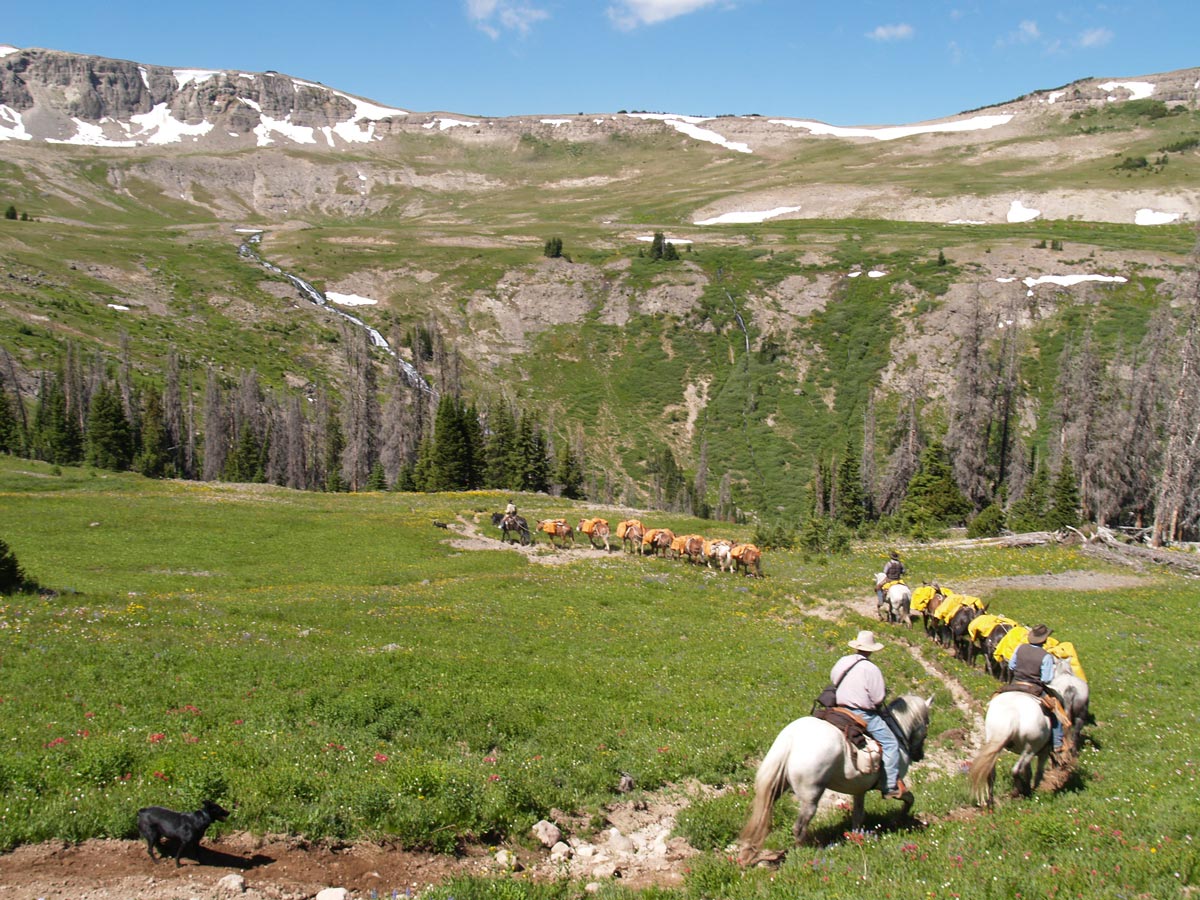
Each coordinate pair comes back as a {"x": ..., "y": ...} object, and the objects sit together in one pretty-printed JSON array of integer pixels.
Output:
[{"x": 470, "y": 537}]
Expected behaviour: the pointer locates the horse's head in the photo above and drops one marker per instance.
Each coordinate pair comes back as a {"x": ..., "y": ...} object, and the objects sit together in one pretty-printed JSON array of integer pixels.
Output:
[
  {"x": 497, "y": 518},
  {"x": 912, "y": 715}
]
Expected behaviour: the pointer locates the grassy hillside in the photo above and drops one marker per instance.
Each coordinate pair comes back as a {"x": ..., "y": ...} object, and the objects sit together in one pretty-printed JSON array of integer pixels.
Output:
[
  {"x": 447, "y": 234},
  {"x": 338, "y": 669}
]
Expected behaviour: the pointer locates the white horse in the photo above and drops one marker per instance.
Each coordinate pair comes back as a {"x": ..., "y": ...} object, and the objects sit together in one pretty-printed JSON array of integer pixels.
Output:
[
  {"x": 1014, "y": 721},
  {"x": 896, "y": 604},
  {"x": 813, "y": 756}
]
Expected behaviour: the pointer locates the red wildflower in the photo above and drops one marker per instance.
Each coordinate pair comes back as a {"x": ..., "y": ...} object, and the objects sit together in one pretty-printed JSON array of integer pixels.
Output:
[
  {"x": 381, "y": 757},
  {"x": 161, "y": 776},
  {"x": 157, "y": 737}
]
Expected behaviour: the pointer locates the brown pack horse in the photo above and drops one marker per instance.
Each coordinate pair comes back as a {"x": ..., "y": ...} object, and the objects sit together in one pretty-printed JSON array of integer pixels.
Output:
[
  {"x": 557, "y": 530},
  {"x": 747, "y": 559},
  {"x": 693, "y": 548},
  {"x": 631, "y": 532},
  {"x": 597, "y": 531},
  {"x": 659, "y": 541}
]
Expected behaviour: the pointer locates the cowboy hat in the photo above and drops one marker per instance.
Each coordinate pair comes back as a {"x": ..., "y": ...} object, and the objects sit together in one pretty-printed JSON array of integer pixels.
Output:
[
  {"x": 866, "y": 642},
  {"x": 1038, "y": 634}
]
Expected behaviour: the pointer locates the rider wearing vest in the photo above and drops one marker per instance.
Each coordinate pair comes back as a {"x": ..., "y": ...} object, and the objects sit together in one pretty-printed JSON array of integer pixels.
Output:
[
  {"x": 893, "y": 570},
  {"x": 511, "y": 509},
  {"x": 860, "y": 688},
  {"x": 1031, "y": 664}
]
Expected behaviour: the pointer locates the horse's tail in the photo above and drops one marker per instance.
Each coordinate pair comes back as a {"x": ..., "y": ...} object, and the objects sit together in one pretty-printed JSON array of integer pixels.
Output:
[
  {"x": 768, "y": 786},
  {"x": 982, "y": 768}
]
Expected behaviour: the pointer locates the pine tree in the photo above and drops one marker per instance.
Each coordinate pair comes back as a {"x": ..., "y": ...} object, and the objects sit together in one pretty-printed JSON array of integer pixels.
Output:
[
  {"x": 10, "y": 434},
  {"x": 1029, "y": 512},
  {"x": 851, "y": 507},
  {"x": 11, "y": 212},
  {"x": 12, "y": 577},
  {"x": 1064, "y": 510},
  {"x": 553, "y": 248},
  {"x": 656, "y": 246},
  {"x": 56, "y": 436},
  {"x": 569, "y": 474},
  {"x": 501, "y": 462},
  {"x": 377, "y": 480},
  {"x": 153, "y": 458},
  {"x": 108, "y": 442},
  {"x": 933, "y": 498}
]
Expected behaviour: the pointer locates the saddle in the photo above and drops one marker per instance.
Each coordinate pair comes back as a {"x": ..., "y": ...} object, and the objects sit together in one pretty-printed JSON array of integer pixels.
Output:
[
  {"x": 864, "y": 755},
  {"x": 853, "y": 726},
  {"x": 1051, "y": 703}
]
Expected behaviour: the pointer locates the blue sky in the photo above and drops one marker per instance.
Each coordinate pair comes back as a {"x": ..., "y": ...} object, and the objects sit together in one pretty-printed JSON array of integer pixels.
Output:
[{"x": 844, "y": 63}]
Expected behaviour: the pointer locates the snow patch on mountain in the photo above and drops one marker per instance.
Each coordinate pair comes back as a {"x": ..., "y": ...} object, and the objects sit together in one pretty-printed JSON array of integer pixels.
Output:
[
  {"x": 894, "y": 132},
  {"x": 1139, "y": 90},
  {"x": 184, "y": 77},
  {"x": 15, "y": 131},
  {"x": 748, "y": 216},
  {"x": 1147, "y": 216},
  {"x": 1071, "y": 280},
  {"x": 689, "y": 125},
  {"x": 1019, "y": 212}
]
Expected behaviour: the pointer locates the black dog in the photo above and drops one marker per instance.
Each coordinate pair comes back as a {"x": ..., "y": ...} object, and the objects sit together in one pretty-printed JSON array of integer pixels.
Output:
[{"x": 156, "y": 822}]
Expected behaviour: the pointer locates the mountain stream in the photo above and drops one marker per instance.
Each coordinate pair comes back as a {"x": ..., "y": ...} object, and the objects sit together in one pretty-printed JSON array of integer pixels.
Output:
[{"x": 247, "y": 250}]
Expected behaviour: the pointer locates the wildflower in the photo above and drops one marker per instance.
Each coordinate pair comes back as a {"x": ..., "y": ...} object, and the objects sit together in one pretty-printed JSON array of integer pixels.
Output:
[
  {"x": 493, "y": 777},
  {"x": 161, "y": 776},
  {"x": 381, "y": 757},
  {"x": 157, "y": 737}
]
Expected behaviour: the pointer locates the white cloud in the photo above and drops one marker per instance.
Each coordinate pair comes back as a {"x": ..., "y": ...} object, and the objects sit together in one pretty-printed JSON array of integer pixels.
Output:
[
  {"x": 1095, "y": 37},
  {"x": 492, "y": 17},
  {"x": 901, "y": 32},
  {"x": 1028, "y": 31},
  {"x": 629, "y": 14}
]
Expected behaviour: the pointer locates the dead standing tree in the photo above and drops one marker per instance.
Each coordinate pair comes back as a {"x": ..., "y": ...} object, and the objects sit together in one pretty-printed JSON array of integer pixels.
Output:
[{"x": 1181, "y": 460}]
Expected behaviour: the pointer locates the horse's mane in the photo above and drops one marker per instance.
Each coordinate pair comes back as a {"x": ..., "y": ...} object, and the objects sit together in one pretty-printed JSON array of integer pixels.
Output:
[{"x": 908, "y": 711}]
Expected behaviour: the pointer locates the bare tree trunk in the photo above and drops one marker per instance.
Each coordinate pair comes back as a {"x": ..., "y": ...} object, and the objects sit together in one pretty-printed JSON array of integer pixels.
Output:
[
  {"x": 972, "y": 411},
  {"x": 1183, "y": 427},
  {"x": 216, "y": 429}
]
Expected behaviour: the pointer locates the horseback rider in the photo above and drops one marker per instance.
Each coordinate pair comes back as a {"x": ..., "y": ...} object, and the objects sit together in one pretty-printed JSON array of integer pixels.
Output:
[
  {"x": 894, "y": 569},
  {"x": 511, "y": 509},
  {"x": 1030, "y": 664},
  {"x": 861, "y": 689}
]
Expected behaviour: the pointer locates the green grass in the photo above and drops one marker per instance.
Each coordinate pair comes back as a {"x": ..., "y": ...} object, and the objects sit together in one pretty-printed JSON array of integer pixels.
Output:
[{"x": 333, "y": 666}]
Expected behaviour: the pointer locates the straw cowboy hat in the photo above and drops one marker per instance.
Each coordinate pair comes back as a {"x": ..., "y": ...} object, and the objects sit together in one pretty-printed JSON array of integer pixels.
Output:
[
  {"x": 865, "y": 642},
  {"x": 1038, "y": 634}
]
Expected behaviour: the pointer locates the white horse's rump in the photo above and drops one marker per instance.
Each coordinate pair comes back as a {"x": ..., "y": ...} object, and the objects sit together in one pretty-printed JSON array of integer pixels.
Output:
[
  {"x": 1014, "y": 721},
  {"x": 1075, "y": 696},
  {"x": 896, "y": 603},
  {"x": 813, "y": 756}
]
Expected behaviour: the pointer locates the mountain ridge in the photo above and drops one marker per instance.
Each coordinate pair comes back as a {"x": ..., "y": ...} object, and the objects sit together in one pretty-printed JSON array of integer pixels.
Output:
[{"x": 100, "y": 101}]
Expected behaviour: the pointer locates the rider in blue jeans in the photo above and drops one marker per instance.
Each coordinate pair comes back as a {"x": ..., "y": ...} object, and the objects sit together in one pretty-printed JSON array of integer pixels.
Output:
[
  {"x": 861, "y": 689},
  {"x": 1031, "y": 664}
]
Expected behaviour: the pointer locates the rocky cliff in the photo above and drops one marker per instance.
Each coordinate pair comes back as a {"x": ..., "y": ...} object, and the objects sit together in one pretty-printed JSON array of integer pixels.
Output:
[{"x": 65, "y": 97}]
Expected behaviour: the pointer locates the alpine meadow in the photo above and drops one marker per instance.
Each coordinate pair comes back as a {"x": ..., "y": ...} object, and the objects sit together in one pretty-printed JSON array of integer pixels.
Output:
[{"x": 274, "y": 359}]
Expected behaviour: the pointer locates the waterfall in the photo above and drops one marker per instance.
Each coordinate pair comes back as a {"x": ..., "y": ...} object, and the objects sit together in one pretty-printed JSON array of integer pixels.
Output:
[{"x": 247, "y": 251}]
